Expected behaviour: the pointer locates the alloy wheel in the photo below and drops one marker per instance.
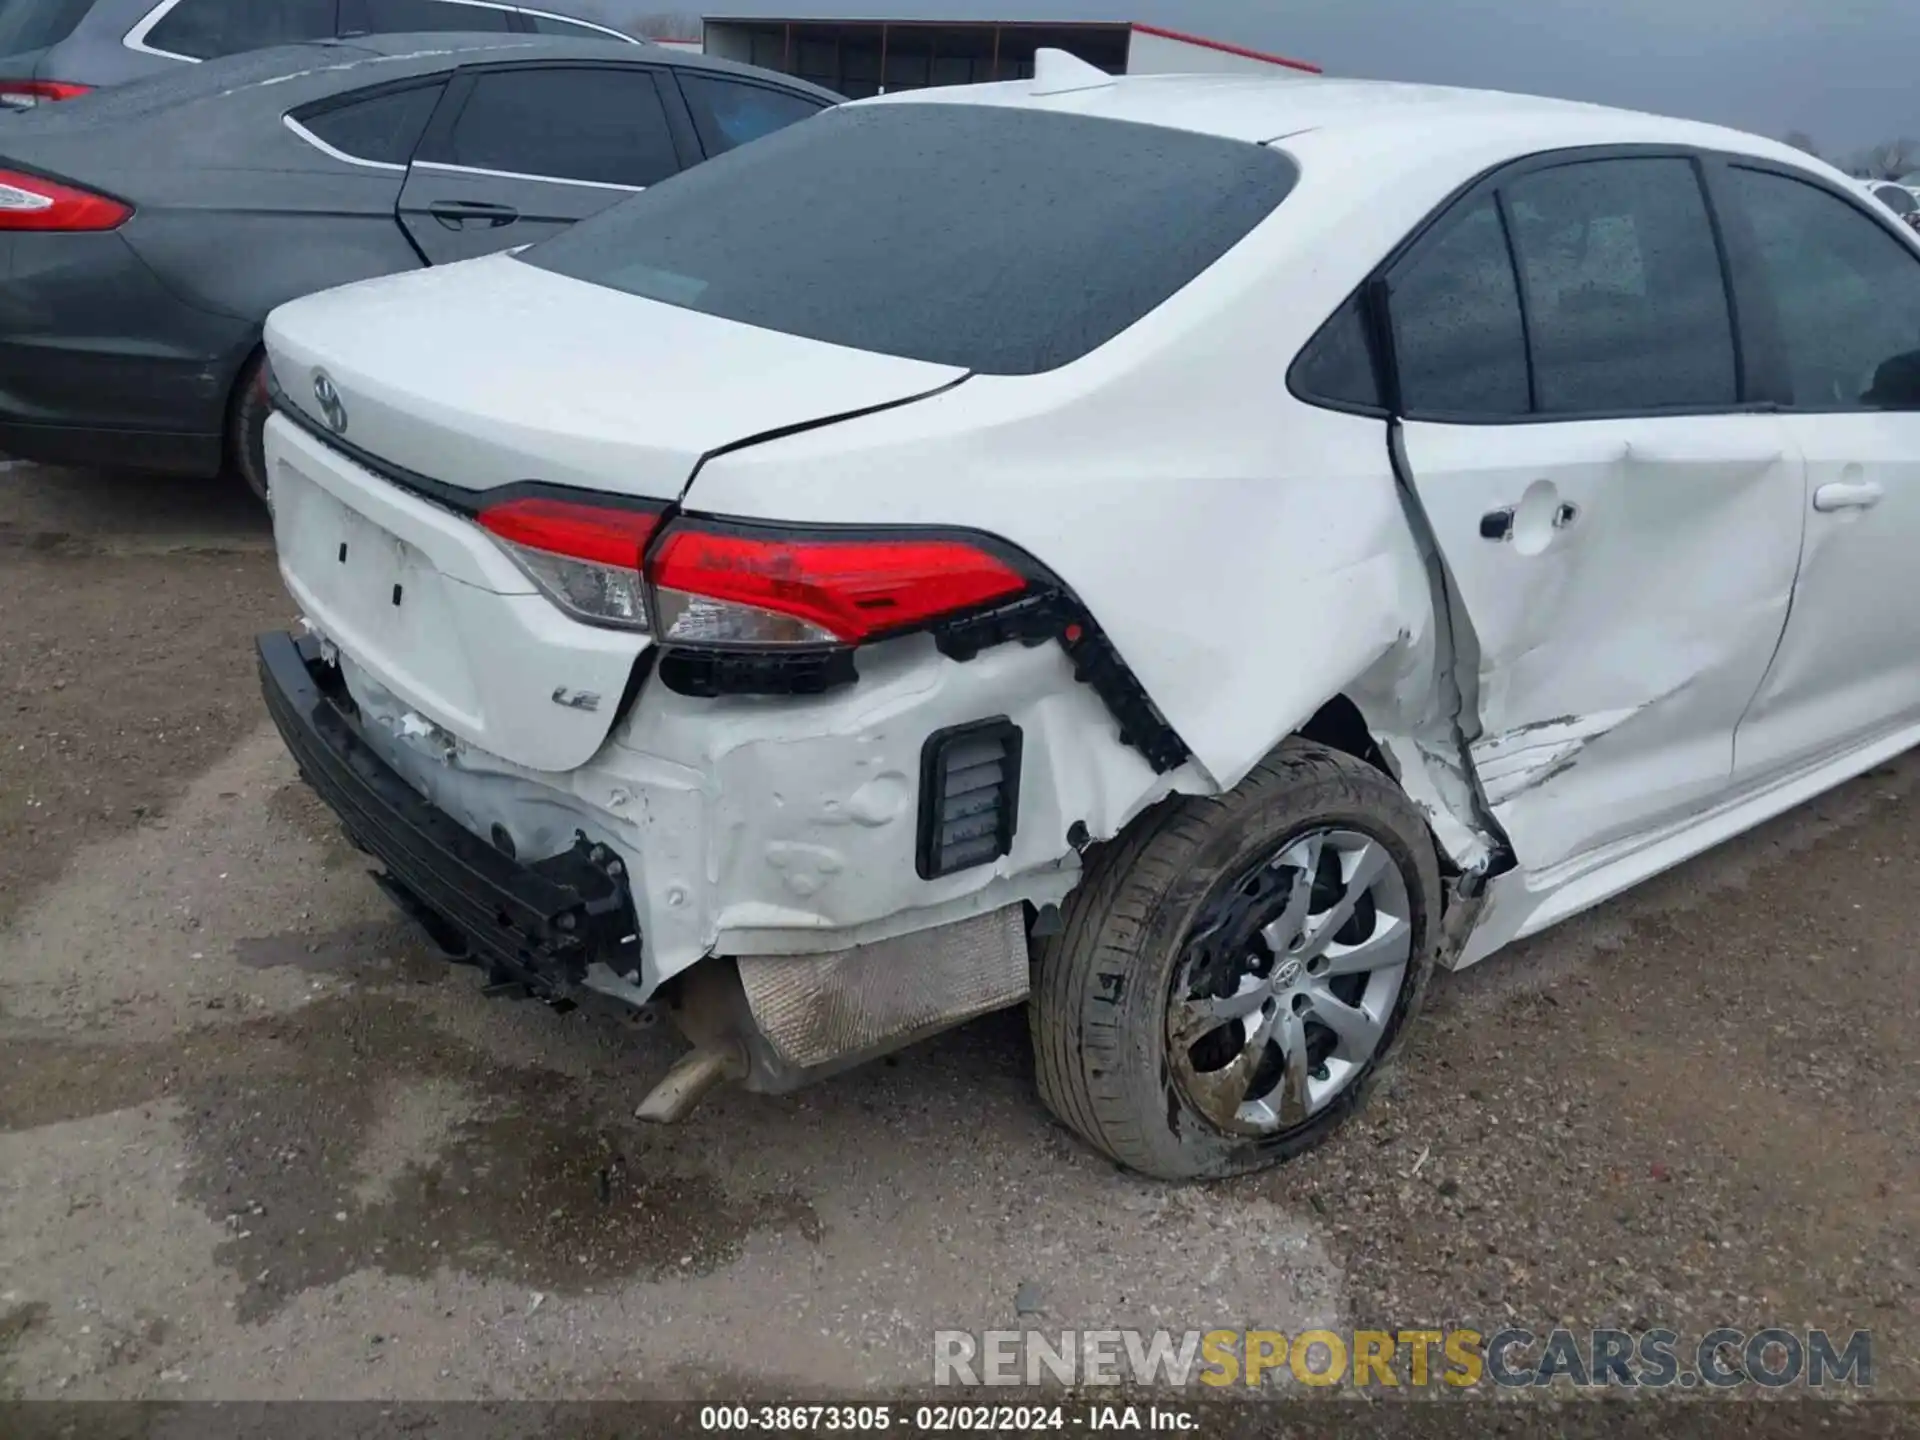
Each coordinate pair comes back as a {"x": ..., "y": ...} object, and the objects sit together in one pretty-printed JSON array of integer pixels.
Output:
[{"x": 1287, "y": 982}]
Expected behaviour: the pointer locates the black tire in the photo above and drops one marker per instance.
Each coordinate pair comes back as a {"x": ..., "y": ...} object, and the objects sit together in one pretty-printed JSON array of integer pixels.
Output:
[
  {"x": 1101, "y": 992},
  {"x": 247, "y": 427}
]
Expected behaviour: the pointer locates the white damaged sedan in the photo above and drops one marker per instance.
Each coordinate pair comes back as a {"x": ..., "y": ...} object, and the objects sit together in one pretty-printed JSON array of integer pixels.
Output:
[{"x": 1187, "y": 554}]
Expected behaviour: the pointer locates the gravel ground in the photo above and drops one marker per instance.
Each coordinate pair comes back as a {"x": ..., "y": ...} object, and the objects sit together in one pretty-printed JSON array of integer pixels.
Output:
[{"x": 255, "y": 1144}]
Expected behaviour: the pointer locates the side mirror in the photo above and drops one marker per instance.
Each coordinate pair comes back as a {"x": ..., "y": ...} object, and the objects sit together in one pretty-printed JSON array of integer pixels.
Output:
[{"x": 1896, "y": 384}]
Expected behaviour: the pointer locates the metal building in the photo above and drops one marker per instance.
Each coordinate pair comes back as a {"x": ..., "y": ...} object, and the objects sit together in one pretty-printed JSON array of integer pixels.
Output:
[{"x": 867, "y": 57}]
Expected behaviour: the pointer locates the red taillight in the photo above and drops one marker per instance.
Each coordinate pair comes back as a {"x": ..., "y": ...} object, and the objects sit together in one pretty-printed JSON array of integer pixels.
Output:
[
  {"x": 29, "y": 203},
  {"x": 735, "y": 586},
  {"x": 25, "y": 94},
  {"x": 585, "y": 557},
  {"x": 742, "y": 587}
]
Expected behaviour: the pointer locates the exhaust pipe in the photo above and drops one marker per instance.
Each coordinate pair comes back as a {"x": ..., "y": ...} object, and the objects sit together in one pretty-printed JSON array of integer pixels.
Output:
[{"x": 687, "y": 1083}]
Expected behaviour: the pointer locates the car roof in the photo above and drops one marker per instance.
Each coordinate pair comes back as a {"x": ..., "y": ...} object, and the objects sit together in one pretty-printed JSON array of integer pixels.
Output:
[{"x": 1362, "y": 116}]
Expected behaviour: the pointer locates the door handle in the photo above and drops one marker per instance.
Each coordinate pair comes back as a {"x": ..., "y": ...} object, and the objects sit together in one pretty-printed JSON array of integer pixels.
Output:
[
  {"x": 1498, "y": 524},
  {"x": 1848, "y": 495},
  {"x": 454, "y": 214}
]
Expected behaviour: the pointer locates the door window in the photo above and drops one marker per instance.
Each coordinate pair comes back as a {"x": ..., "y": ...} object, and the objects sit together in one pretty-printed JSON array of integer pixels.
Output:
[
  {"x": 382, "y": 128},
  {"x": 1626, "y": 302},
  {"x": 600, "y": 125},
  {"x": 727, "y": 113},
  {"x": 1457, "y": 336},
  {"x": 204, "y": 29},
  {"x": 402, "y": 17},
  {"x": 1848, "y": 293}
]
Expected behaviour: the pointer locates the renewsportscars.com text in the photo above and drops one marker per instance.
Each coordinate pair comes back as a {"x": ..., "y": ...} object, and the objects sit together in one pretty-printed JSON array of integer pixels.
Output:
[{"x": 1456, "y": 1357}]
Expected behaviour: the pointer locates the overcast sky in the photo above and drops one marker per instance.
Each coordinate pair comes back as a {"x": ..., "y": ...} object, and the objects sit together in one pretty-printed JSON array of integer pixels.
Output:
[{"x": 1845, "y": 71}]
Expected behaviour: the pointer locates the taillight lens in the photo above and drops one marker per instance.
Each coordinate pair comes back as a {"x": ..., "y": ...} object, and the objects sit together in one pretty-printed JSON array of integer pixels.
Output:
[
  {"x": 585, "y": 557},
  {"x": 25, "y": 94},
  {"x": 734, "y": 586},
  {"x": 29, "y": 203}
]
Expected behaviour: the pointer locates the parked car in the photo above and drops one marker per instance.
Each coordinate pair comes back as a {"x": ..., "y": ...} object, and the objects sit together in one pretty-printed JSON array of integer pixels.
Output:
[
  {"x": 1056, "y": 541},
  {"x": 59, "y": 49},
  {"x": 148, "y": 230},
  {"x": 1897, "y": 198}
]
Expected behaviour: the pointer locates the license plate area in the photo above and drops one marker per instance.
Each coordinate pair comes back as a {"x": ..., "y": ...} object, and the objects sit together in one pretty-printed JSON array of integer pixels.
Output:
[
  {"x": 374, "y": 594},
  {"x": 435, "y": 612}
]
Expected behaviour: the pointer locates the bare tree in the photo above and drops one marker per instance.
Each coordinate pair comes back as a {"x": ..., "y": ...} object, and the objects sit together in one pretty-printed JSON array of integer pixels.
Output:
[
  {"x": 1800, "y": 140},
  {"x": 667, "y": 25},
  {"x": 1888, "y": 160}
]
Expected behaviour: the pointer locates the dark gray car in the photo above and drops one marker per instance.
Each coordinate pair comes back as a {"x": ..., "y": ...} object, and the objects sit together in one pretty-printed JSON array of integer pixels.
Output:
[
  {"x": 57, "y": 49},
  {"x": 149, "y": 229}
]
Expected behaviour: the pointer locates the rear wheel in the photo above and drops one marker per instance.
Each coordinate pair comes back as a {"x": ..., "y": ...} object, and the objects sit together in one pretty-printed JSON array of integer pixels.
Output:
[
  {"x": 247, "y": 427},
  {"x": 1233, "y": 975}
]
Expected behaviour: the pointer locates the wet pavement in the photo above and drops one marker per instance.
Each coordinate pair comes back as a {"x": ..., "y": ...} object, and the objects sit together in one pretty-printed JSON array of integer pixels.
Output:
[{"x": 254, "y": 1142}]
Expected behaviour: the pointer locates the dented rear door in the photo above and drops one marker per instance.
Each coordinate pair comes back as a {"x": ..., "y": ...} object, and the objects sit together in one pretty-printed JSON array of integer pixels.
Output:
[
  {"x": 1620, "y": 531},
  {"x": 1626, "y": 583}
]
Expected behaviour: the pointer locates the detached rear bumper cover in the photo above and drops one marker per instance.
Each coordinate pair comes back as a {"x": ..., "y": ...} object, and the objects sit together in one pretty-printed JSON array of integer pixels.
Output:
[{"x": 541, "y": 924}]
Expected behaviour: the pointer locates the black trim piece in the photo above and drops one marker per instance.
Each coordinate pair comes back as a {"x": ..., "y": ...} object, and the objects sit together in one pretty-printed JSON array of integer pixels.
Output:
[
  {"x": 929, "y": 859},
  {"x": 1030, "y": 620},
  {"x": 538, "y": 924},
  {"x": 1711, "y": 201},
  {"x": 1522, "y": 295},
  {"x": 707, "y": 673},
  {"x": 1097, "y": 663},
  {"x": 1765, "y": 373}
]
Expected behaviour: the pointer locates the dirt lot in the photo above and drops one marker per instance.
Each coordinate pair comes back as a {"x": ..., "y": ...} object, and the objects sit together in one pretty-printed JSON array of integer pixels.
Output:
[{"x": 253, "y": 1143}]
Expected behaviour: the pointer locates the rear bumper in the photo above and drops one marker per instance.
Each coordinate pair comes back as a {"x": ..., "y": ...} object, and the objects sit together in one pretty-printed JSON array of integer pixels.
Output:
[{"x": 542, "y": 924}]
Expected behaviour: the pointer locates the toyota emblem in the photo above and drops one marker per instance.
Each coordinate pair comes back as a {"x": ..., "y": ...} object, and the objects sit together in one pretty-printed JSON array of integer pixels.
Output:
[{"x": 331, "y": 406}]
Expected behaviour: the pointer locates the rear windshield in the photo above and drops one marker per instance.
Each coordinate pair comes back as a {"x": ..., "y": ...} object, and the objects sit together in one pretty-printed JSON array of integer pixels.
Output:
[
  {"x": 1002, "y": 240},
  {"x": 36, "y": 24}
]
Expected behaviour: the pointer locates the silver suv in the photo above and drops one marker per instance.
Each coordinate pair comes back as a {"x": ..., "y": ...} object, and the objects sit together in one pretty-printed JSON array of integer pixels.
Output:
[{"x": 57, "y": 49}]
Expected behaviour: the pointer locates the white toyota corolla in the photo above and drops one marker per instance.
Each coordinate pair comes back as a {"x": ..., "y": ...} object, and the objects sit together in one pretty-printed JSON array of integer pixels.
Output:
[{"x": 1190, "y": 554}]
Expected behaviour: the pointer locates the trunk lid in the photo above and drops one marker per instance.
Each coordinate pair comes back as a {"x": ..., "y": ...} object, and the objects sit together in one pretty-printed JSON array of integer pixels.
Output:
[
  {"x": 490, "y": 371},
  {"x": 480, "y": 375}
]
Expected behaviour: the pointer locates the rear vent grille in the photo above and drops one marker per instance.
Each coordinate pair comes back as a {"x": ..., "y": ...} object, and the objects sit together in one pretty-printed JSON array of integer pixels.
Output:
[{"x": 969, "y": 796}]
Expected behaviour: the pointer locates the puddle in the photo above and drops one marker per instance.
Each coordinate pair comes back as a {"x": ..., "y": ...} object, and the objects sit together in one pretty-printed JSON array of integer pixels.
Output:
[
  {"x": 516, "y": 1173},
  {"x": 380, "y": 950}
]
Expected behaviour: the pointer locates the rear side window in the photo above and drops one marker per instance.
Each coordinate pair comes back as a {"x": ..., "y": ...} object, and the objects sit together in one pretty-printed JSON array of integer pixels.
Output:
[
  {"x": 1626, "y": 305},
  {"x": 36, "y": 24},
  {"x": 1005, "y": 241},
  {"x": 601, "y": 126},
  {"x": 1337, "y": 365},
  {"x": 204, "y": 29},
  {"x": 1847, "y": 290},
  {"x": 382, "y": 128},
  {"x": 727, "y": 113},
  {"x": 402, "y": 17},
  {"x": 1458, "y": 341}
]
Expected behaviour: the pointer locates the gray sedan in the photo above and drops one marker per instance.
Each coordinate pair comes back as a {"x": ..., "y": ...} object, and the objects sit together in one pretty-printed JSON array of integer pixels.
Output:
[{"x": 149, "y": 229}]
